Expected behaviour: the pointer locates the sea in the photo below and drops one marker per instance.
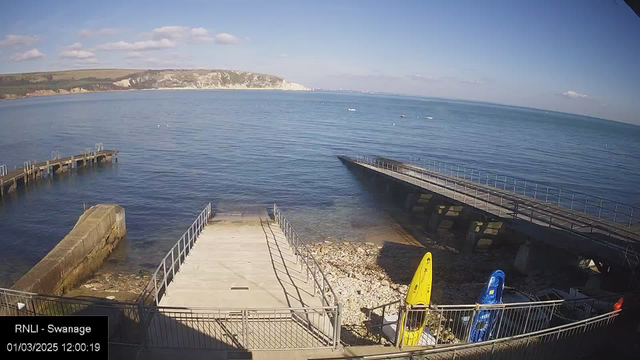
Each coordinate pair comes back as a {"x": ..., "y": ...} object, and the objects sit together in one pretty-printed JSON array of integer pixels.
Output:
[{"x": 242, "y": 151}]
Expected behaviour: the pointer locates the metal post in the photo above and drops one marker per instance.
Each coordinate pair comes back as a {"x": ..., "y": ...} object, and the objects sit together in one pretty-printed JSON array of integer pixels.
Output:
[
  {"x": 400, "y": 327},
  {"x": 526, "y": 321},
  {"x": 438, "y": 326},
  {"x": 535, "y": 192},
  {"x": 573, "y": 194},
  {"x": 559, "y": 195},
  {"x": 155, "y": 285},
  {"x": 500, "y": 324},
  {"x": 337, "y": 326},
  {"x": 600, "y": 211},
  {"x": 173, "y": 263},
  {"x": 164, "y": 275},
  {"x": 586, "y": 202},
  {"x": 245, "y": 333},
  {"x": 615, "y": 212},
  {"x": 525, "y": 188},
  {"x": 630, "y": 217}
]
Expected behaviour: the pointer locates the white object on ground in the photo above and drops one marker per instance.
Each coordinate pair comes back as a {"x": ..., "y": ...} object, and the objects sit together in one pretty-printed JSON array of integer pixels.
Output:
[{"x": 389, "y": 324}]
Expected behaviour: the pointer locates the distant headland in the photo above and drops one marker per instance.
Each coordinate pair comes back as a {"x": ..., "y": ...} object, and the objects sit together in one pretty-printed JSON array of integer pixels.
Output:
[{"x": 14, "y": 86}]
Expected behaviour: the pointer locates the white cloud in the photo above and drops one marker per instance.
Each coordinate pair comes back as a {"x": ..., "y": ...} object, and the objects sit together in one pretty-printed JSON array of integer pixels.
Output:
[
  {"x": 168, "y": 32},
  {"x": 76, "y": 54},
  {"x": 134, "y": 55},
  {"x": 137, "y": 46},
  {"x": 74, "y": 46},
  {"x": 226, "y": 39},
  {"x": 200, "y": 35},
  {"x": 32, "y": 54},
  {"x": 102, "y": 32},
  {"x": 14, "y": 40},
  {"x": 574, "y": 95},
  {"x": 282, "y": 56}
]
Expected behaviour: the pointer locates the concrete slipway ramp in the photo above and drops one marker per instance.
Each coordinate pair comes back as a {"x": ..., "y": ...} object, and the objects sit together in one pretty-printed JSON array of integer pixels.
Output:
[{"x": 242, "y": 282}]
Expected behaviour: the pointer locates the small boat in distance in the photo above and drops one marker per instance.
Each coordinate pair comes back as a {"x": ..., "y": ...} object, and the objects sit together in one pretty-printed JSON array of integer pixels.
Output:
[
  {"x": 430, "y": 117},
  {"x": 401, "y": 115},
  {"x": 350, "y": 109}
]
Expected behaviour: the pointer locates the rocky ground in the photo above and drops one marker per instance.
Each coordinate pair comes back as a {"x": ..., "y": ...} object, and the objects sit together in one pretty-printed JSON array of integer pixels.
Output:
[
  {"x": 367, "y": 275},
  {"x": 107, "y": 285}
]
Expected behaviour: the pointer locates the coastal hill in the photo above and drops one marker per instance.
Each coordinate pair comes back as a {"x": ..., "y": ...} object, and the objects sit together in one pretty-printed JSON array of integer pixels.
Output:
[{"x": 79, "y": 81}]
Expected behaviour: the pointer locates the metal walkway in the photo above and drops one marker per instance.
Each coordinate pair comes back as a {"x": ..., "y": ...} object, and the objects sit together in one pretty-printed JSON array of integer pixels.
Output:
[
  {"x": 32, "y": 169},
  {"x": 241, "y": 283},
  {"x": 534, "y": 211}
]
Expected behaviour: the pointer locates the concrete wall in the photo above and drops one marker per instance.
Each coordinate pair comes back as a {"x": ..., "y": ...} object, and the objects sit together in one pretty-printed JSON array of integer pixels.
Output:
[{"x": 78, "y": 254}]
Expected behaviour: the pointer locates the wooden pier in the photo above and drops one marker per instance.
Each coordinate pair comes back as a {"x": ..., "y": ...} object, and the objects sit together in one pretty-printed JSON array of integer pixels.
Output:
[{"x": 32, "y": 170}]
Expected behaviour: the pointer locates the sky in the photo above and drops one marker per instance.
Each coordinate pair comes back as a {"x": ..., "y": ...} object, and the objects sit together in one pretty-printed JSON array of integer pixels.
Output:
[{"x": 575, "y": 56}]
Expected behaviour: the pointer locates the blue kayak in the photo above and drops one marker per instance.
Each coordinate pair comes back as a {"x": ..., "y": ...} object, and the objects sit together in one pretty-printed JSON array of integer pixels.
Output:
[{"x": 484, "y": 320}]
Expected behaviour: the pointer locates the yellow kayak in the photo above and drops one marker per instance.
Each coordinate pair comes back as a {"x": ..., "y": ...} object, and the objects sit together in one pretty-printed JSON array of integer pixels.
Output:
[{"x": 419, "y": 293}]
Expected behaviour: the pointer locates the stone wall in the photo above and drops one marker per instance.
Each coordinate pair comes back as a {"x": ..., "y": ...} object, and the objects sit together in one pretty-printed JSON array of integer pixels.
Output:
[{"x": 79, "y": 254}]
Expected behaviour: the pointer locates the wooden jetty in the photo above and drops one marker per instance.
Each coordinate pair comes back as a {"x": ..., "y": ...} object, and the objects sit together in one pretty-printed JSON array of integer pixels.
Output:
[{"x": 31, "y": 170}]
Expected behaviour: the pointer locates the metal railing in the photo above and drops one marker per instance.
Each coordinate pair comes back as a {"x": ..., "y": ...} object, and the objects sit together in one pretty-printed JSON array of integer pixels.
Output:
[
  {"x": 304, "y": 256},
  {"x": 3, "y": 170},
  {"x": 170, "y": 264},
  {"x": 503, "y": 204},
  {"x": 124, "y": 318},
  {"x": 216, "y": 328},
  {"x": 599, "y": 207},
  {"x": 454, "y": 324},
  {"x": 572, "y": 340},
  {"x": 251, "y": 329}
]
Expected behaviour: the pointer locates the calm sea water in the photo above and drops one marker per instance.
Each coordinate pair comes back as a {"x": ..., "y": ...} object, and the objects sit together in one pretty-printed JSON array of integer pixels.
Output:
[{"x": 243, "y": 150}]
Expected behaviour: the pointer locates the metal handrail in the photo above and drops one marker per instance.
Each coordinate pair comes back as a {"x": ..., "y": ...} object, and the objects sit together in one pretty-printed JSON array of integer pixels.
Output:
[
  {"x": 304, "y": 254},
  {"x": 568, "y": 215},
  {"x": 510, "y": 319},
  {"x": 577, "y": 201},
  {"x": 582, "y": 326},
  {"x": 530, "y": 213},
  {"x": 160, "y": 279}
]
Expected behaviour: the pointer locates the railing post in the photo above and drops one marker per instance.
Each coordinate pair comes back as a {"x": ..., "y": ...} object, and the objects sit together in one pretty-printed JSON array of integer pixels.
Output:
[
  {"x": 245, "y": 332},
  {"x": 615, "y": 212},
  {"x": 439, "y": 321},
  {"x": 600, "y": 211},
  {"x": 500, "y": 323},
  {"x": 535, "y": 192},
  {"x": 573, "y": 195},
  {"x": 164, "y": 270},
  {"x": 527, "y": 321},
  {"x": 173, "y": 263},
  {"x": 630, "y": 217},
  {"x": 559, "y": 195},
  {"x": 155, "y": 286},
  {"x": 337, "y": 327},
  {"x": 400, "y": 327}
]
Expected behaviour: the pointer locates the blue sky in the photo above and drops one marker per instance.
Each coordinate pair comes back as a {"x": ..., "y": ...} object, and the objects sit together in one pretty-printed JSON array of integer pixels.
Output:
[{"x": 577, "y": 56}]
